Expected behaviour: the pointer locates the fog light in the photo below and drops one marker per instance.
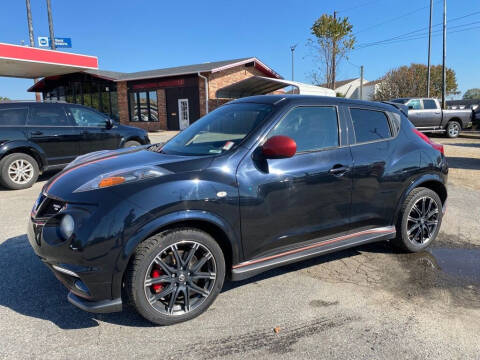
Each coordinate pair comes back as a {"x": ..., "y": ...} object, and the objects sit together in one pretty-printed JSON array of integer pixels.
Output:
[{"x": 67, "y": 225}]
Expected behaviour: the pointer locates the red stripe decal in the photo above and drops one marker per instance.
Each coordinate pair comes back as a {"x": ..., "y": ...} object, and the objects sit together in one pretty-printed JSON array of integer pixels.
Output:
[{"x": 313, "y": 246}]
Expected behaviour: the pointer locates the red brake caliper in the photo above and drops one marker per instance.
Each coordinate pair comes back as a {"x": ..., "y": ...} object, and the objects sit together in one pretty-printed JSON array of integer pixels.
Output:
[{"x": 155, "y": 274}]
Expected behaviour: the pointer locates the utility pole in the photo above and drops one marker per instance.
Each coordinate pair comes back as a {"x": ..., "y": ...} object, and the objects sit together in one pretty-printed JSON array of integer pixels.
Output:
[
  {"x": 50, "y": 25},
  {"x": 292, "y": 49},
  {"x": 429, "y": 47},
  {"x": 334, "y": 49},
  {"x": 361, "y": 82},
  {"x": 444, "y": 68},
  {"x": 32, "y": 40}
]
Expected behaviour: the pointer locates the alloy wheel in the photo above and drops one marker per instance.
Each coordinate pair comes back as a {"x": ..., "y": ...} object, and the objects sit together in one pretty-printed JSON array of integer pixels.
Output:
[
  {"x": 453, "y": 129},
  {"x": 180, "y": 278},
  {"x": 21, "y": 171},
  {"x": 422, "y": 220}
]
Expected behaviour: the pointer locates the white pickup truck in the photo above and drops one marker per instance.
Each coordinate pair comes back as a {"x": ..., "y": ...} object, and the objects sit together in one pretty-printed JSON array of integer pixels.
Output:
[{"x": 428, "y": 116}]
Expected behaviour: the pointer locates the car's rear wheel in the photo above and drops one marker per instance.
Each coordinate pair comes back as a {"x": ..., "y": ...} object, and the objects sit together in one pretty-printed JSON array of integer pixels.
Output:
[
  {"x": 131, "y": 143},
  {"x": 175, "y": 276},
  {"x": 453, "y": 129},
  {"x": 419, "y": 221},
  {"x": 18, "y": 171}
]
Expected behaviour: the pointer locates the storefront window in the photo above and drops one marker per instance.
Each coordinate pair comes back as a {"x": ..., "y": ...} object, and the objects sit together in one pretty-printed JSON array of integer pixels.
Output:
[{"x": 143, "y": 106}]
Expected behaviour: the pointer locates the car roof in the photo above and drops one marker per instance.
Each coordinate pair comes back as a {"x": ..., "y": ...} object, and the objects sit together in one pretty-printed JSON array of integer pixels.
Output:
[{"x": 311, "y": 99}]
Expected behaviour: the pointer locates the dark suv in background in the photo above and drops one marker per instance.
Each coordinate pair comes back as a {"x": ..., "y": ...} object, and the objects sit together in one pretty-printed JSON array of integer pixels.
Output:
[{"x": 36, "y": 137}]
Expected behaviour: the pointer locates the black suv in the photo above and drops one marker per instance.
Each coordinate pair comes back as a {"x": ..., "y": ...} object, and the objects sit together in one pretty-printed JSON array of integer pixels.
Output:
[
  {"x": 258, "y": 183},
  {"x": 36, "y": 137}
]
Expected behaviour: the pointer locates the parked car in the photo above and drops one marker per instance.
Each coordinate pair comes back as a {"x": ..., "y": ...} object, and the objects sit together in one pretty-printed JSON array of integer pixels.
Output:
[
  {"x": 258, "y": 183},
  {"x": 36, "y": 137},
  {"x": 427, "y": 115}
]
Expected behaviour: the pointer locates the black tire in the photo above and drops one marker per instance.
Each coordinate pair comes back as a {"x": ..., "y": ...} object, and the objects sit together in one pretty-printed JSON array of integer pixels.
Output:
[
  {"x": 131, "y": 143},
  {"x": 409, "y": 241},
  {"x": 453, "y": 129},
  {"x": 146, "y": 257},
  {"x": 10, "y": 162}
]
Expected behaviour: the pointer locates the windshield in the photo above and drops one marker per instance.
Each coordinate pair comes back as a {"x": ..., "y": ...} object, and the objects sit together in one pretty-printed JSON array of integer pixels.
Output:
[{"x": 218, "y": 131}]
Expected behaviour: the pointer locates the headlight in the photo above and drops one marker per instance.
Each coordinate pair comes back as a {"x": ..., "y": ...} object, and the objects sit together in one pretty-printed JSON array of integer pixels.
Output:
[
  {"x": 122, "y": 176},
  {"x": 67, "y": 225}
]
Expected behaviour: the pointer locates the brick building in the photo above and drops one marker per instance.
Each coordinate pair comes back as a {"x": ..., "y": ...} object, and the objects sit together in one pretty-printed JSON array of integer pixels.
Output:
[{"x": 163, "y": 99}]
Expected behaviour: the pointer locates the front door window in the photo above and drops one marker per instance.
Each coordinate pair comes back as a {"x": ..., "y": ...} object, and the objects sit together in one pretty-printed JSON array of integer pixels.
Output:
[{"x": 183, "y": 114}]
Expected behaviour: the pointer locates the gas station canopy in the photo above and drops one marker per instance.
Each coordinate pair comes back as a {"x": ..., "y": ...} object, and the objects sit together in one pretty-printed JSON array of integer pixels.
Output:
[{"x": 29, "y": 62}]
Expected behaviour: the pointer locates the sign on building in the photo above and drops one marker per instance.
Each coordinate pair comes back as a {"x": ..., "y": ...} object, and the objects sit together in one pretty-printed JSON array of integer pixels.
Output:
[{"x": 44, "y": 41}]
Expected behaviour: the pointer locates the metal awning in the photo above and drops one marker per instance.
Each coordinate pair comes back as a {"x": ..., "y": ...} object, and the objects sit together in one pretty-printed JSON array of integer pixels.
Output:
[
  {"x": 28, "y": 62},
  {"x": 259, "y": 85}
]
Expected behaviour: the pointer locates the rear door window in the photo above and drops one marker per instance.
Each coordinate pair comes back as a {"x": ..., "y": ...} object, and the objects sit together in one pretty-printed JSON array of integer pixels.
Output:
[
  {"x": 13, "y": 116},
  {"x": 370, "y": 125},
  {"x": 429, "y": 104},
  {"x": 48, "y": 115},
  {"x": 312, "y": 127}
]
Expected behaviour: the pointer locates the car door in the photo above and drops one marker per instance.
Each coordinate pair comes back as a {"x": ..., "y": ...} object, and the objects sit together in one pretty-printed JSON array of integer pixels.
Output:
[
  {"x": 431, "y": 113},
  {"x": 95, "y": 134},
  {"x": 374, "y": 190},
  {"x": 284, "y": 202},
  {"x": 50, "y": 128},
  {"x": 415, "y": 112}
]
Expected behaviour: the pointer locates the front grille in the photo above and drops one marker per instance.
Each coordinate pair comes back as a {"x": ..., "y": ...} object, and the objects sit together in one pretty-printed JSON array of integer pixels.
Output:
[{"x": 49, "y": 207}]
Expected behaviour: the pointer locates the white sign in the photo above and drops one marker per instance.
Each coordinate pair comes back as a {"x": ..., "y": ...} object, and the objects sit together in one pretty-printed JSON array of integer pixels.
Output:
[{"x": 43, "y": 41}]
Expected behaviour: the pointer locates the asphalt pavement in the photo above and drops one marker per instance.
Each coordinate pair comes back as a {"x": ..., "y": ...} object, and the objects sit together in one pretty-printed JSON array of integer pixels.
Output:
[{"x": 368, "y": 302}]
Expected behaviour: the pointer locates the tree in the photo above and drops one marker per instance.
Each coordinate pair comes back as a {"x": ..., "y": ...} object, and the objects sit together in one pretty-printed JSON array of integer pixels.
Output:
[
  {"x": 332, "y": 36},
  {"x": 410, "y": 81},
  {"x": 472, "y": 94},
  {"x": 3, "y": 98}
]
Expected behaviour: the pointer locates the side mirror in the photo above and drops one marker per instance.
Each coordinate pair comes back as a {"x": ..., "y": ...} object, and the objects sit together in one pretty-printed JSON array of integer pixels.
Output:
[
  {"x": 109, "y": 123},
  {"x": 410, "y": 107},
  {"x": 279, "y": 147}
]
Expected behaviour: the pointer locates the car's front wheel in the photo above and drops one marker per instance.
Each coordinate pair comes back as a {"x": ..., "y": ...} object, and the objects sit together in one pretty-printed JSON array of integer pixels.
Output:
[
  {"x": 131, "y": 143},
  {"x": 18, "y": 171},
  {"x": 175, "y": 275},
  {"x": 419, "y": 221}
]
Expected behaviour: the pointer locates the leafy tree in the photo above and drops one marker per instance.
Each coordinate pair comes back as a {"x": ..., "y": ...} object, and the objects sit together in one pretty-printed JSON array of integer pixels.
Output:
[
  {"x": 3, "y": 98},
  {"x": 472, "y": 94},
  {"x": 332, "y": 36},
  {"x": 410, "y": 81}
]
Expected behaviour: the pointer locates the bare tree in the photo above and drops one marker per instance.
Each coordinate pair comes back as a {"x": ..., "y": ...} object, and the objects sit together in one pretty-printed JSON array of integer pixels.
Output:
[{"x": 333, "y": 40}]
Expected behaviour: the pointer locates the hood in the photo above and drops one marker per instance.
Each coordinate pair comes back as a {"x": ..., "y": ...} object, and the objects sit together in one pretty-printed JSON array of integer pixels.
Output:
[{"x": 90, "y": 166}]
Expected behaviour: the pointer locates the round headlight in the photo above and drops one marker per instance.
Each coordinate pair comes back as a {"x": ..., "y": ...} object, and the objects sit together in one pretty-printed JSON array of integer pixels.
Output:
[{"x": 67, "y": 225}]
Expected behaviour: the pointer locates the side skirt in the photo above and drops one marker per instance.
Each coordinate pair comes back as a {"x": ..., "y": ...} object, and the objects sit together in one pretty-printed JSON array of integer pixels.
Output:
[{"x": 253, "y": 267}]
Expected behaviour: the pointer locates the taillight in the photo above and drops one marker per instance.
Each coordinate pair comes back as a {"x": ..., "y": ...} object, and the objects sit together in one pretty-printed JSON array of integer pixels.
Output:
[{"x": 425, "y": 138}]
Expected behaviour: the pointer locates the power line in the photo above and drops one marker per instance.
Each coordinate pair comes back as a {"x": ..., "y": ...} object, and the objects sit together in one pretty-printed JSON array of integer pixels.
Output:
[
  {"x": 393, "y": 19},
  {"x": 417, "y": 37},
  {"x": 411, "y": 33}
]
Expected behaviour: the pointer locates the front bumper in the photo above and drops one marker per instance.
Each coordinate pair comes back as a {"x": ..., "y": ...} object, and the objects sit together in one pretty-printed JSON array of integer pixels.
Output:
[{"x": 87, "y": 277}]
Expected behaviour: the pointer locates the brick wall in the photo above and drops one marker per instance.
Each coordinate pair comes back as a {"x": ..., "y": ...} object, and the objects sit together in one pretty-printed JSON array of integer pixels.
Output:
[
  {"x": 221, "y": 79},
  {"x": 122, "y": 102}
]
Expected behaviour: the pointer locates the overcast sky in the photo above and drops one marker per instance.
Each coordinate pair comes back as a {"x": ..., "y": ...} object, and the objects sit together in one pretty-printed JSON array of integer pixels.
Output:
[{"x": 150, "y": 34}]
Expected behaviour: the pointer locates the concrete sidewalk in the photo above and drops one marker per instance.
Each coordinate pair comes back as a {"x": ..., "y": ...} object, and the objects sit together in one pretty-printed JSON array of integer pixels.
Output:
[{"x": 161, "y": 136}]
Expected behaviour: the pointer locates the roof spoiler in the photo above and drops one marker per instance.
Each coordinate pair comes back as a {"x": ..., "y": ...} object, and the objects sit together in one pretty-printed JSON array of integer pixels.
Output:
[{"x": 403, "y": 108}]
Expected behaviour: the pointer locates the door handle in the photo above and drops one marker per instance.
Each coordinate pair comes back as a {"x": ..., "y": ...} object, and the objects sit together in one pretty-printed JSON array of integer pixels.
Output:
[
  {"x": 339, "y": 170},
  {"x": 37, "y": 132}
]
